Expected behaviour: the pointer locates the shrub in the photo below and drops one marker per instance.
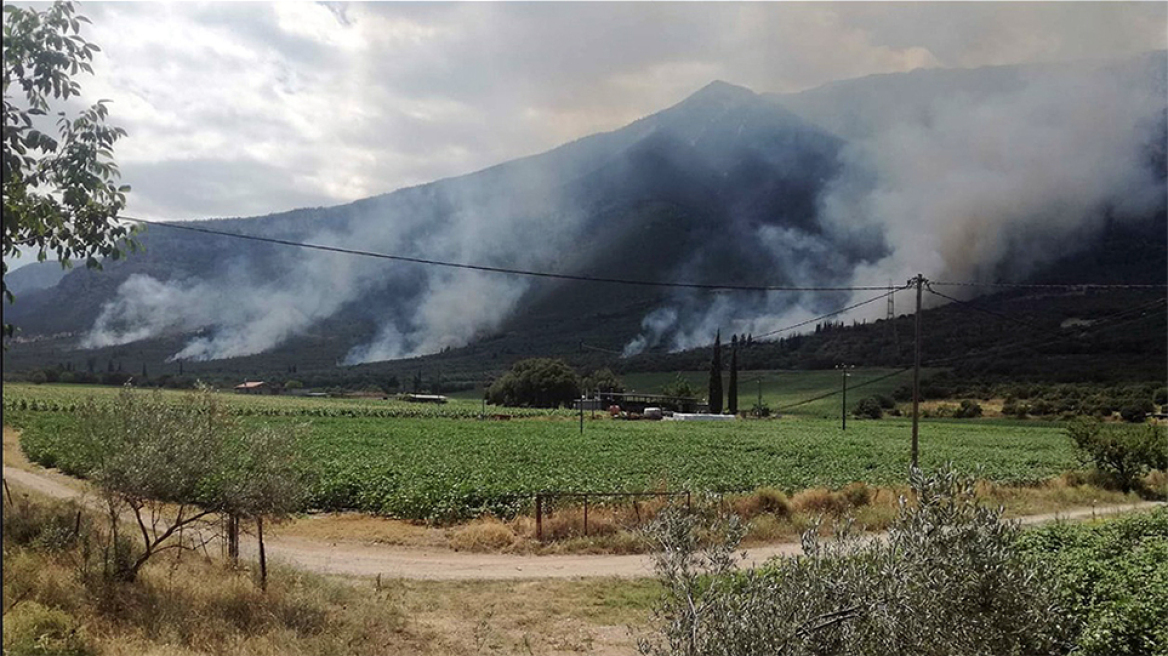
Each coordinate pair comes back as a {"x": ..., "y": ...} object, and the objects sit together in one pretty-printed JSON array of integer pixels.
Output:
[
  {"x": 868, "y": 408},
  {"x": 1125, "y": 453},
  {"x": 295, "y": 385},
  {"x": 32, "y": 629},
  {"x": 857, "y": 494},
  {"x": 766, "y": 500},
  {"x": 38, "y": 377},
  {"x": 967, "y": 410},
  {"x": 49, "y": 526},
  {"x": 820, "y": 501},
  {"x": 1112, "y": 579},
  {"x": 1136, "y": 411},
  {"x": 949, "y": 580},
  {"x": 760, "y": 410}
]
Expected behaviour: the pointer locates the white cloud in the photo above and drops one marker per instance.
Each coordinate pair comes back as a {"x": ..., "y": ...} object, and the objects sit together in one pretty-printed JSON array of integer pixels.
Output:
[{"x": 338, "y": 102}]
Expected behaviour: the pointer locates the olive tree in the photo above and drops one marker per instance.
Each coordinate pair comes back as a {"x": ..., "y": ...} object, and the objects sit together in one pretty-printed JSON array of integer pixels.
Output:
[
  {"x": 173, "y": 467},
  {"x": 948, "y": 579},
  {"x": 153, "y": 461},
  {"x": 60, "y": 196}
]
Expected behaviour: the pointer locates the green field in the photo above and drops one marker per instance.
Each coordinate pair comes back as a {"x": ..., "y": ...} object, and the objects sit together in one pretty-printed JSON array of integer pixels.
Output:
[
  {"x": 782, "y": 390},
  {"x": 23, "y": 396},
  {"x": 444, "y": 467}
]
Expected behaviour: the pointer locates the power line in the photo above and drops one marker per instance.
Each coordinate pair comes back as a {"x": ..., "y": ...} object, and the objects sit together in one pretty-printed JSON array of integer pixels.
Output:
[
  {"x": 597, "y": 348},
  {"x": 887, "y": 294},
  {"x": 1017, "y": 285},
  {"x": 854, "y": 387},
  {"x": 832, "y": 314},
  {"x": 505, "y": 270},
  {"x": 976, "y": 308},
  {"x": 1105, "y": 323}
]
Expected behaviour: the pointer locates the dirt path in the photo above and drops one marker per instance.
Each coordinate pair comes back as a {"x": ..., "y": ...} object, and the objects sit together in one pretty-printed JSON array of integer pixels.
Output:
[{"x": 436, "y": 564}]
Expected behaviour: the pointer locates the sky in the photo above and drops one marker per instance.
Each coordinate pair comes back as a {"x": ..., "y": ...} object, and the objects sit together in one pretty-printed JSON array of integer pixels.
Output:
[{"x": 244, "y": 109}]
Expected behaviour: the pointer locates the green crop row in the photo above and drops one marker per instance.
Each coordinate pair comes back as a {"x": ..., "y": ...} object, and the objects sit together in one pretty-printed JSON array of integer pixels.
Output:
[
  {"x": 66, "y": 398},
  {"x": 444, "y": 468}
]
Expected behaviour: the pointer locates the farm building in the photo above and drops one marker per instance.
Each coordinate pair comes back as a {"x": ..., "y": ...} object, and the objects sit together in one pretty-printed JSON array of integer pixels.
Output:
[
  {"x": 424, "y": 398},
  {"x": 251, "y": 387},
  {"x": 636, "y": 402}
]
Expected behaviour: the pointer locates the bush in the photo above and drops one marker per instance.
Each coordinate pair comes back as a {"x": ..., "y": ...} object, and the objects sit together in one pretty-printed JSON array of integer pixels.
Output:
[
  {"x": 32, "y": 629},
  {"x": 50, "y": 526},
  {"x": 868, "y": 408},
  {"x": 38, "y": 377},
  {"x": 967, "y": 410},
  {"x": 760, "y": 410},
  {"x": 1136, "y": 411},
  {"x": 1113, "y": 580},
  {"x": 949, "y": 580},
  {"x": 1124, "y": 453},
  {"x": 295, "y": 385}
]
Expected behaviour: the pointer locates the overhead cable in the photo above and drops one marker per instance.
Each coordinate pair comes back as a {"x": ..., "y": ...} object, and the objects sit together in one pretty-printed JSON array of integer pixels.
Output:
[{"x": 507, "y": 270}]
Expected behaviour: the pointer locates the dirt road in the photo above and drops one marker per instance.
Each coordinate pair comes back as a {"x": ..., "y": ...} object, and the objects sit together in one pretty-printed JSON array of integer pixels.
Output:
[{"x": 443, "y": 565}]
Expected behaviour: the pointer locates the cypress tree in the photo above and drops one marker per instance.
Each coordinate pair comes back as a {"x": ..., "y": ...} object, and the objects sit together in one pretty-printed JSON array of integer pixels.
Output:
[
  {"x": 733, "y": 392},
  {"x": 716, "y": 376}
]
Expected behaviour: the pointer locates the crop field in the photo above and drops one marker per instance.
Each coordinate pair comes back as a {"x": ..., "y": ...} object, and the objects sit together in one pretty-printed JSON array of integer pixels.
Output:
[
  {"x": 782, "y": 389},
  {"x": 444, "y": 467},
  {"x": 21, "y": 396}
]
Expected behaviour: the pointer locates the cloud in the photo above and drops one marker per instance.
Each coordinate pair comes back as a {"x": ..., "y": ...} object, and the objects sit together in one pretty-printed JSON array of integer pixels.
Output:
[{"x": 345, "y": 101}]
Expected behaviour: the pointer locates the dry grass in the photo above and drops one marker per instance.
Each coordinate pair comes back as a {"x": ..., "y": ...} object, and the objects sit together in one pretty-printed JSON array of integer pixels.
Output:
[
  {"x": 363, "y": 528},
  {"x": 189, "y": 604}
]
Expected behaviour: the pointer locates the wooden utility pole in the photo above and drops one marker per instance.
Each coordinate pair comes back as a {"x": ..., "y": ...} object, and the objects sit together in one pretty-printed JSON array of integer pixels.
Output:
[
  {"x": 919, "y": 282},
  {"x": 844, "y": 405}
]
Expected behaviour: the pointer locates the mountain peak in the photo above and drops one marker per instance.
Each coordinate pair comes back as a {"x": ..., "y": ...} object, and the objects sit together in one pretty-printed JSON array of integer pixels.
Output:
[{"x": 722, "y": 92}]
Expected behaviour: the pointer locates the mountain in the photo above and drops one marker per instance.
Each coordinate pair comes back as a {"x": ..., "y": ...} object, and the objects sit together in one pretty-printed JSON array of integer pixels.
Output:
[
  {"x": 726, "y": 187},
  {"x": 34, "y": 276}
]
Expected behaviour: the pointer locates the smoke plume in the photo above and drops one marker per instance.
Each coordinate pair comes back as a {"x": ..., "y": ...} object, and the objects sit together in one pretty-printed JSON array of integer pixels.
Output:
[{"x": 992, "y": 183}]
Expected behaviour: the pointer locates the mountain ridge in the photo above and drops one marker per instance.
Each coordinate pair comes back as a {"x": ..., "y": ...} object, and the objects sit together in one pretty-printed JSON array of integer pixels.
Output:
[{"x": 725, "y": 186}]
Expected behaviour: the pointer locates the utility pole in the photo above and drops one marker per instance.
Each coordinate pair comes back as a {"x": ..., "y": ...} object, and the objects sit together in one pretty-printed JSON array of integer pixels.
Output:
[
  {"x": 919, "y": 282},
  {"x": 844, "y": 406},
  {"x": 581, "y": 414}
]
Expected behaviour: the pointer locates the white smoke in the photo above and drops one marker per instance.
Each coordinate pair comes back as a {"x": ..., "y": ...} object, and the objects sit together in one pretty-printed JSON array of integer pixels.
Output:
[
  {"x": 951, "y": 185},
  {"x": 653, "y": 328},
  {"x": 963, "y": 186},
  {"x": 257, "y": 304},
  {"x": 1008, "y": 183}
]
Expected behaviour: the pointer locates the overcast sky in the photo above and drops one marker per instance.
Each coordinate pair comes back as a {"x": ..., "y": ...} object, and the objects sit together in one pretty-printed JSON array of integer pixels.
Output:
[{"x": 242, "y": 109}]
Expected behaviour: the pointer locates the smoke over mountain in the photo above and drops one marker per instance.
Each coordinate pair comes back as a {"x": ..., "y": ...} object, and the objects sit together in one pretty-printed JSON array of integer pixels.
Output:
[
  {"x": 961, "y": 175},
  {"x": 1010, "y": 171}
]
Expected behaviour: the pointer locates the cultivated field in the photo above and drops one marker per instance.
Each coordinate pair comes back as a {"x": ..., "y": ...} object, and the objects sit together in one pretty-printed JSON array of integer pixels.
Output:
[{"x": 424, "y": 462}]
